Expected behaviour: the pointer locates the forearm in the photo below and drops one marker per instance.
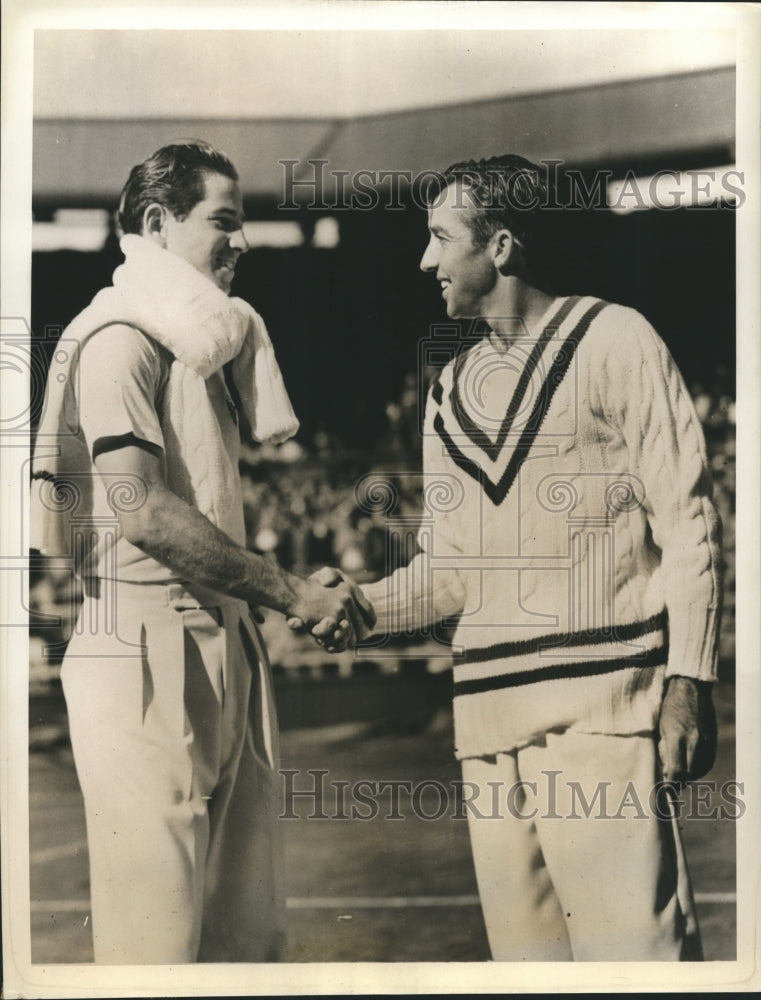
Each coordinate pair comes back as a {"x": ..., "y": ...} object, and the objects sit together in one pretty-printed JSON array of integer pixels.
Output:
[
  {"x": 667, "y": 453},
  {"x": 180, "y": 537},
  {"x": 687, "y": 530}
]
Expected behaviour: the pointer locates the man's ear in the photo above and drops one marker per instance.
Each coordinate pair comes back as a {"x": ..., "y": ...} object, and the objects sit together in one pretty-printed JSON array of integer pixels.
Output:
[
  {"x": 505, "y": 246},
  {"x": 154, "y": 223}
]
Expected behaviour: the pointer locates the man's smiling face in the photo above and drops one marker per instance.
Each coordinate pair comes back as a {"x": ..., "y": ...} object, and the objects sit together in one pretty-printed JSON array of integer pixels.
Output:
[
  {"x": 466, "y": 272},
  {"x": 210, "y": 237}
]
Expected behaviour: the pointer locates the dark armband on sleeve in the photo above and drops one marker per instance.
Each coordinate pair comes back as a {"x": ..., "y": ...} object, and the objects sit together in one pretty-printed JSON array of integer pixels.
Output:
[{"x": 117, "y": 441}]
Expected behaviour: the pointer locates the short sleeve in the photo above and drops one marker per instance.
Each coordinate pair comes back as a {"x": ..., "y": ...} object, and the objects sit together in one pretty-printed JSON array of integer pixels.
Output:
[{"x": 119, "y": 379}]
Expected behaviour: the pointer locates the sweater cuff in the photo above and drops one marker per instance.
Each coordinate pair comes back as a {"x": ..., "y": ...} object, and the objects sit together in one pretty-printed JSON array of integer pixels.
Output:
[
  {"x": 413, "y": 597},
  {"x": 694, "y": 643}
]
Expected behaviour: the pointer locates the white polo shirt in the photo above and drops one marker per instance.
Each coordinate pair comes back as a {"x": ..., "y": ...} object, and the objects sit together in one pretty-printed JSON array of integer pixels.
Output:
[{"x": 120, "y": 384}]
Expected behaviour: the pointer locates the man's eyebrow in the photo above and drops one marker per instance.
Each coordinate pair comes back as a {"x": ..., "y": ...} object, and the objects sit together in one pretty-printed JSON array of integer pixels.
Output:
[
  {"x": 229, "y": 213},
  {"x": 224, "y": 210}
]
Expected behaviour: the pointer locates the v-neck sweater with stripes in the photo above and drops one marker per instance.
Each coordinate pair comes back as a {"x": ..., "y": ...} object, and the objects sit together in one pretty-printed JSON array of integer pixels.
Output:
[{"x": 569, "y": 524}]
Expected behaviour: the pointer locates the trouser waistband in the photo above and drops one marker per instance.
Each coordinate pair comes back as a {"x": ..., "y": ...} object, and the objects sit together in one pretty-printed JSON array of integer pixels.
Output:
[{"x": 182, "y": 596}]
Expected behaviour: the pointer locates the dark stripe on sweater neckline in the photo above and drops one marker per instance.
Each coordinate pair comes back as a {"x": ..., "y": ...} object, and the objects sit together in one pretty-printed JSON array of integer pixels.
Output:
[
  {"x": 562, "y": 362},
  {"x": 476, "y": 434}
]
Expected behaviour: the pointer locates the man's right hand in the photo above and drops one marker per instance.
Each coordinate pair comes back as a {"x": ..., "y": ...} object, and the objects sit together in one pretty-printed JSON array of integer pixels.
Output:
[{"x": 334, "y": 609}]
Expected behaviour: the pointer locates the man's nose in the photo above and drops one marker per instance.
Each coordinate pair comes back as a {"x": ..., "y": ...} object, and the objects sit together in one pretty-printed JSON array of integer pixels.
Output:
[
  {"x": 429, "y": 261},
  {"x": 238, "y": 240}
]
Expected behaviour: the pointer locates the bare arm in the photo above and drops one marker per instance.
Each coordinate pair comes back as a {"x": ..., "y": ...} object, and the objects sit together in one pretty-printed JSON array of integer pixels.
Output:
[{"x": 179, "y": 536}]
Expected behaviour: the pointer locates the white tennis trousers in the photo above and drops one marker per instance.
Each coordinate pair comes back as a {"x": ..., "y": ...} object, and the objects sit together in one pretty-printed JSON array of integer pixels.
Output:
[
  {"x": 563, "y": 878},
  {"x": 173, "y": 729}
]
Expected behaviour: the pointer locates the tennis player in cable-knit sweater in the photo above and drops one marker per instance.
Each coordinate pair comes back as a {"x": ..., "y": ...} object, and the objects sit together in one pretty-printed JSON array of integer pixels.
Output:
[{"x": 569, "y": 527}]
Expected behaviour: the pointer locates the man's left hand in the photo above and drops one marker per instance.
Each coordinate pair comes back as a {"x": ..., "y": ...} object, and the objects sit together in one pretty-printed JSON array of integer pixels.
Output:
[{"x": 687, "y": 725}]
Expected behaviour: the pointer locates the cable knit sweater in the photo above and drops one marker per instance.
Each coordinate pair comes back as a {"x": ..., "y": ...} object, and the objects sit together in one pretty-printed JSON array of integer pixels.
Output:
[{"x": 569, "y": 525}]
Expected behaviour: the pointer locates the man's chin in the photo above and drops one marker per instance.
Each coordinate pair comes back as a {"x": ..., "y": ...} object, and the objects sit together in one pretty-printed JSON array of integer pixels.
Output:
[{"x": 455, "y": 311}]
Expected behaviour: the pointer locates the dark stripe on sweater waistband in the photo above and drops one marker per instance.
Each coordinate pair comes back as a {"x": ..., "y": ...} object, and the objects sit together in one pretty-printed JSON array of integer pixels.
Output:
[
  {"x": 561, "y": 671},
  {"x": 523, "y": 647}
]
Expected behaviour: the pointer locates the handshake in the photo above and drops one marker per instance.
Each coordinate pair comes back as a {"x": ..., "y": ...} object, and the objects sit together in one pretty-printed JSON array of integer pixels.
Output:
[{"x": 333, "y": 609}]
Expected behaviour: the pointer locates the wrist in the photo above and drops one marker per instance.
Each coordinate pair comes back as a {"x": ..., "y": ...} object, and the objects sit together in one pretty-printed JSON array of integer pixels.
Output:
[
  {"x": 685, "y": 682},
  {"x": 294, "y": 595},
  {"x": 269, "y": 585}
]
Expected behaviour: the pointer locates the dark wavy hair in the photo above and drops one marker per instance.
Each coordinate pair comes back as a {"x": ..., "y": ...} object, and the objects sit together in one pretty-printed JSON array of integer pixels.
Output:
[
  {"x": 175, "y": 177},
  {"x": 508, "y": 192}
]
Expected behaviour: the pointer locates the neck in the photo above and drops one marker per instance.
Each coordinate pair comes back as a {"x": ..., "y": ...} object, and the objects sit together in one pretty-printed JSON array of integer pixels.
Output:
[{"x": 517, "y": 308}]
